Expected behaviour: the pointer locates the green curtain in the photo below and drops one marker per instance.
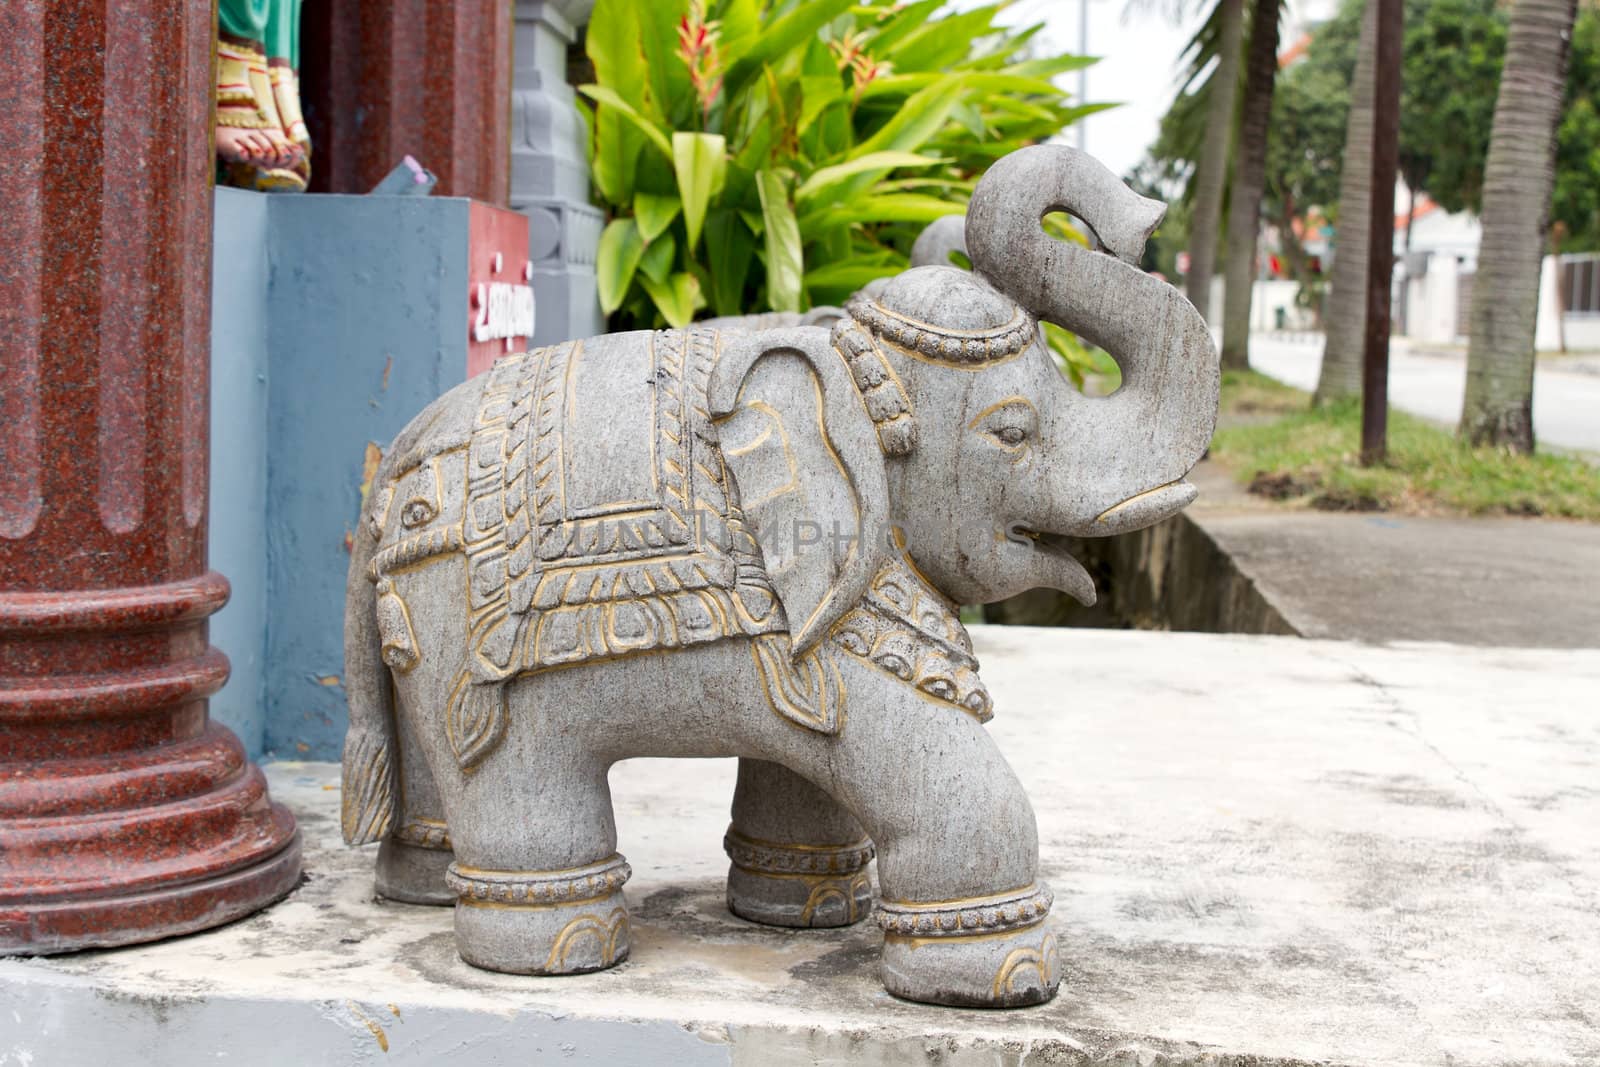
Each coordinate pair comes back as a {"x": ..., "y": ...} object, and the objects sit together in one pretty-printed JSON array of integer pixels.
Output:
[
  {"x": 244, "y": 18},
  {"x": 275, "y": 24},
  {"x": 283, "y": 31}
]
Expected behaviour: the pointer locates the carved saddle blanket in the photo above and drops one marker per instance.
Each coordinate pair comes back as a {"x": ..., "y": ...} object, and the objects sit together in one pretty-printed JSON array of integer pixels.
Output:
[{"x": 600, "y": 520}]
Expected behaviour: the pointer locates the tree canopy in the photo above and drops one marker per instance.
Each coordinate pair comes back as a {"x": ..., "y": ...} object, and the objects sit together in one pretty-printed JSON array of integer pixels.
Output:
[
  {"x": 1575, "y": 205},
  {"x": 1454, "y": 50},
  {"x": 1453, "y": 54}
]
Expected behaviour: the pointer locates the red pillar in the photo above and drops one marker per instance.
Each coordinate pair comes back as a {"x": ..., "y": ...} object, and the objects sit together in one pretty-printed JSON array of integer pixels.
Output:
[
  {"x": 125, "y": 815},
  {"x": 381, "y": 79}
]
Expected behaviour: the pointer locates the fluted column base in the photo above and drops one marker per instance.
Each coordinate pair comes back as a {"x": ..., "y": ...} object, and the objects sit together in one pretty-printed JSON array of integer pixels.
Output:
[{"x": 125, "y": 815}]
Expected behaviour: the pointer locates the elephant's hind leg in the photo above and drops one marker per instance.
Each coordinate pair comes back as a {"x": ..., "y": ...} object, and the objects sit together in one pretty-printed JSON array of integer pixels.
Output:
[
  {"x": 561, "y": 921},
  {"x": 415, "y": 855},
  {"x": 797, "y": 857}
]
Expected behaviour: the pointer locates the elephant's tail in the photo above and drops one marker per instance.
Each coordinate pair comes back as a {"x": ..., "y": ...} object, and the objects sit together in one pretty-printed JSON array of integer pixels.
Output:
[{"x": 368, "y": 801}]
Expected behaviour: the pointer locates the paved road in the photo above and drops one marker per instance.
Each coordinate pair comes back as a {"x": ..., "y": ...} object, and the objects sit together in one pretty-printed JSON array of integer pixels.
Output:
[{"x": 1566, "y": 403}]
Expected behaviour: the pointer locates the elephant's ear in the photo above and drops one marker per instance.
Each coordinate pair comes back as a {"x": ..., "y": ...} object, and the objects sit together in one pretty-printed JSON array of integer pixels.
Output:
[{"x": 805, "y": 457}]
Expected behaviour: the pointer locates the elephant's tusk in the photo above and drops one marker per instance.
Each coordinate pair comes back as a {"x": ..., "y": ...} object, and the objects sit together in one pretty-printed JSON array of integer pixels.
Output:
[{"x": 1148, "y": 506}]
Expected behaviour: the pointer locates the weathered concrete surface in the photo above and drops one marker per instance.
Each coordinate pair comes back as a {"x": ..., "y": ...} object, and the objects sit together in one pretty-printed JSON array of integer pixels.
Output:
[
  {"x": 1523, "y": 582},
  {"x": 1265, "y": 851}
]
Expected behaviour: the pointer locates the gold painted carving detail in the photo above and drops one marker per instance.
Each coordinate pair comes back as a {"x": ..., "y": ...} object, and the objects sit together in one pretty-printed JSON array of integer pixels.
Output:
[
  {"x": 1044, "y": 962},
  {"x": 540, "y": 887},
  {"x": 611, "y": 934},
  {"x": 558, "y": 578},
  {"x": 439, "y": 542},
  {"x": 475, "y": 720},
  {"x": 808, "y": 691},
  {"x": 884, "y": 395},
  {"x": 939, "y": 344},
  {"x": 397, "y": 640},
  {"x": 852, "y": 891},
  {"x": 763, "y": 858},
  {"x": 367, "y": 794},
  {"x": 962, "y": 918},
  {"x": 903, "y": 626},
  {"x": 425, "y": 833}
]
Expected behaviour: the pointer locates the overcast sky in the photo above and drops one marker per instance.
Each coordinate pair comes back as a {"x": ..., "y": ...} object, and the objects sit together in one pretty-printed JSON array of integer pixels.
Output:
[
  {"x": 1138, "y": 68},
  {"x": 1139, "y": 44}
]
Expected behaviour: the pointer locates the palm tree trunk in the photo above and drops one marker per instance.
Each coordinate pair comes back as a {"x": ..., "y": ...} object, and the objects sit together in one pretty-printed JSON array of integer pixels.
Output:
[
  {"x": 1346, "y": 314},
  {"x": 1519, "y": 174},
  {"x": 1211, "y": 174},
  {"x": 1249, "y": 177}
]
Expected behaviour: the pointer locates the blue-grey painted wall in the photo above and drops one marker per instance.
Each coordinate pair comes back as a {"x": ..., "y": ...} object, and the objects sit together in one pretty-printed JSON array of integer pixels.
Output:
[
  {"x": 367, "y": 325},
  {"x": 335, "y": 320},
  {"x": 237, "y": 533}
]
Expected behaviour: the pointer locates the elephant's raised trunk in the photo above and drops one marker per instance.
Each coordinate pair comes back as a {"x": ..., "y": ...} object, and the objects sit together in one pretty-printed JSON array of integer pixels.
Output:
[{"x": 1158, "y": 424}]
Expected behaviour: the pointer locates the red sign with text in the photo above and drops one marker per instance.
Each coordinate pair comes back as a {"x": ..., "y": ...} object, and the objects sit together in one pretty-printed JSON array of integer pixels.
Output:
[{"x": 500, "y": 308}]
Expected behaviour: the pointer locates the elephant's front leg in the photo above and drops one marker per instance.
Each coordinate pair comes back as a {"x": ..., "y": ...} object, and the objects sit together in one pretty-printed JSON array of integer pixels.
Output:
[
  {"x": 963, "y": 915},
  {"x": 798, "y": 858}
]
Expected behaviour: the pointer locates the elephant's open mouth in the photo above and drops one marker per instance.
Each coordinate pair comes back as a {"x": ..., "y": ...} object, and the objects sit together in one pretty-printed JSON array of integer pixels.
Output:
[{"x": 1066, "y": 573}]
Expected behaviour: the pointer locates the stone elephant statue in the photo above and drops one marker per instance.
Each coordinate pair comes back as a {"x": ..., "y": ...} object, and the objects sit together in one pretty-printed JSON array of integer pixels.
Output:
[{"x": 705, "y": 543}]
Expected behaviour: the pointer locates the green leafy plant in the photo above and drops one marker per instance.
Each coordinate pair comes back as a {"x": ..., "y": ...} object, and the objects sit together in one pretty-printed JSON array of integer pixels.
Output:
[{"x": 779, "y": 154}]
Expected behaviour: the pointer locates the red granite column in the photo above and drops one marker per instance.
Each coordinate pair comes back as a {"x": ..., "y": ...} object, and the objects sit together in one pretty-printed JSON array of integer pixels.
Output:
[
  {"x": 124, "y": 814},
  {"x": 381, "y": 79}
]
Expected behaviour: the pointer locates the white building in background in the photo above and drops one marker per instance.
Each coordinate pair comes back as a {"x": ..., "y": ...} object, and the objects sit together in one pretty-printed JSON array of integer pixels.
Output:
[
  {"x": 1433, "y": 284},
  {"x": 1433, "y": 276}
]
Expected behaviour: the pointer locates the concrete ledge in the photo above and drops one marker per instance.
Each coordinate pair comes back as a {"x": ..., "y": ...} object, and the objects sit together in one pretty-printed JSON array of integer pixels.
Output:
[
  {"x": 1484, "y": 581},
  {"x": 1265, "y": 851},
  {"x": 1238, "y": 563}
]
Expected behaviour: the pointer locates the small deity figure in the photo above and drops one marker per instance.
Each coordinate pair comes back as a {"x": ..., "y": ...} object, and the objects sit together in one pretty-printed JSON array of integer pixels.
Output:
[{"x": 262, "y": 141}]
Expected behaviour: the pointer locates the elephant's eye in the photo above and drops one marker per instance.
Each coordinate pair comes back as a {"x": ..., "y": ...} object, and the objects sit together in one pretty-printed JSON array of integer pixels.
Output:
[
  {"x": 416, "y": 513},
  {"x": 1011, "y": 436},
  {"x": 1009, "y": 424}
]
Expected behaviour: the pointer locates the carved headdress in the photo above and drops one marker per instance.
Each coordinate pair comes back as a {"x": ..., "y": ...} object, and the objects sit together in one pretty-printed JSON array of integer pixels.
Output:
[{"x": 934, "y": 314}]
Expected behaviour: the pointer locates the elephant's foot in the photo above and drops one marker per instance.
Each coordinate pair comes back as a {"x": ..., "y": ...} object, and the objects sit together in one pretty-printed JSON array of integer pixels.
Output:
[
  {"x": 984, "y": 952},
  {"x": 542, "y": 922},
  {"x": 413, "y": 873},
  {"x": 798, "y": 885}
]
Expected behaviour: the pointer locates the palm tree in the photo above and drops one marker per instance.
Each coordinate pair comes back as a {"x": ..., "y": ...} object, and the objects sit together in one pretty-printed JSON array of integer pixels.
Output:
[
  {"x": 1249, "y": 178},
  {"x": 1211, "y": 174},
  {"x": 1346, "y": 311},
  {"x": 1518, "y": 177}
]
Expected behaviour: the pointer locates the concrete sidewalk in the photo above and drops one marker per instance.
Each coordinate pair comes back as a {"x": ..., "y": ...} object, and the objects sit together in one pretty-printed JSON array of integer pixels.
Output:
[
  {"x": 1532, "y": 583},
  {"x": 1265, "y": 851}
]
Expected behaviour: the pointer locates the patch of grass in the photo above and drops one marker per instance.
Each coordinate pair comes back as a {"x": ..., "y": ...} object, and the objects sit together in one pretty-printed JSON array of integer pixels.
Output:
[
  {"x": 1310, "y": 456},
  {"x": 1248, "y": 392}
]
